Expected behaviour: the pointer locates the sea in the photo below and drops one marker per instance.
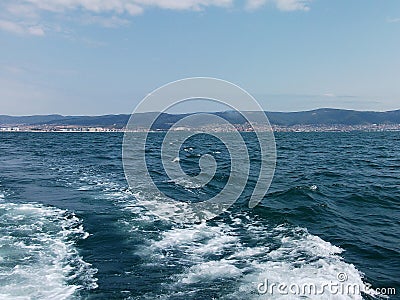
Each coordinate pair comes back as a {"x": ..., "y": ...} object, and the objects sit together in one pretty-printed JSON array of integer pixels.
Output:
[{"x": 72, "y": 228}]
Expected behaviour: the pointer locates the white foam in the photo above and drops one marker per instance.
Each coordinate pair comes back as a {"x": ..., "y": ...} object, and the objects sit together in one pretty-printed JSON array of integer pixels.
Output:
[
  {"x": 187, "y": 184},
  {"x": 211, "y": 253},
  {"x": 281, "y": 254},
  {"x": 196, "y": 241},
  {"x": 211, "y": 270},
  {"x": 104, "y": 187},
  {"x": 300, "y": 260},
  {"x": 38, "y": 257}
]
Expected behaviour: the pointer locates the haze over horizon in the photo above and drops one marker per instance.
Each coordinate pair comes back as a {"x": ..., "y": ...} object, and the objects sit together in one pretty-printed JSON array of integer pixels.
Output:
[
  {"x": 197, "y": 111},
  {"x": 98, "y": 57}
]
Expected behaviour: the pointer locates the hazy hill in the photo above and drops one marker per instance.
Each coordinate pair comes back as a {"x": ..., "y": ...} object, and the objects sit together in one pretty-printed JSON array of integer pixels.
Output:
[
  {"x": 329, "y": 116},
  {"x": 324, "y": 116}
]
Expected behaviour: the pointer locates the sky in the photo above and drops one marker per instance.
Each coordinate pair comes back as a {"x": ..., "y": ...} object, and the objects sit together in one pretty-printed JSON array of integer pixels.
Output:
[{"x": 93, "y": 57}]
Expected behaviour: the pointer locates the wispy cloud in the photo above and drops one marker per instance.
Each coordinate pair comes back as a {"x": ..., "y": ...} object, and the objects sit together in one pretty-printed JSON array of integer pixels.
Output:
[
  {"x": 131, "y": 7},
  {"x": 92, "y": 43},
  {"x": 105, "y": 13},
  {"x": 393, "y": 20},
  {"x": 107, "y": 22},
  {"x": 255, "y": 4},
  {"x": 283, "y": 5},
  {"x": 36, "y": 30},
  {"x": 21, "y": 28},
  {"x": 24, "y": 17},
  {"x": 21, "y": 10},
  {"x": 329, "y": 95},
  {"x": 292, "y": 5}
]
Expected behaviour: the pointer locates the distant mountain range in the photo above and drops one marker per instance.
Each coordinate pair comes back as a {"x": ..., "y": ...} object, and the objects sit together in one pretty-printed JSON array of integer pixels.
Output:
[{"x": 319, "y": 117}]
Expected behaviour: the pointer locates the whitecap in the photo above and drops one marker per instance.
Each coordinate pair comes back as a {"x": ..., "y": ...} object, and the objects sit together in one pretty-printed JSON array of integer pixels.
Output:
[
  {"x": 211, "y": 270},
  {"x": 38, "y": 256}
]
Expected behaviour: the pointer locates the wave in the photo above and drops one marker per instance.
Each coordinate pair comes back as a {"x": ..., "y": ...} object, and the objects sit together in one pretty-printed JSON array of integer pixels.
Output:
[
  {"x": 229, "y": 259},
  {"x": 38, "y": 255},
  {"x": 225, "y": 258}
]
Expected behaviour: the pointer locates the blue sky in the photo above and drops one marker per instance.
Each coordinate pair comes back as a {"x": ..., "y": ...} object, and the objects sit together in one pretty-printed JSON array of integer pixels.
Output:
[{"x": 103, "y": 56}]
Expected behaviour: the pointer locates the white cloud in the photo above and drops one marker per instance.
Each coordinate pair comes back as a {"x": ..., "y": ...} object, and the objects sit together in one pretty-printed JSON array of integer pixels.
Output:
[
  {"x": 132, "y": 7},
  {"x": 283, "y": 5},
  {"x": 95, "y": 6},
  {"x": 11, "y": 27},
  {"x": 20, "y": 28},
  {"x": 22, "y": 10},
  {"x": 106, "y": 13},
  {"x": 25, "y": 17},
  {"x": 255, "y": 4},
  {"x": 135, "y": 7},
  {"x": 35, "y": 30},
  {"x": 292, "y": 5},
  {"x": 184, "y": 5}
]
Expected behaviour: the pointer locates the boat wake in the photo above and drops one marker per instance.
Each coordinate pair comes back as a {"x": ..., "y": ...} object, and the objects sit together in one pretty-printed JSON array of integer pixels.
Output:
[{"x": 38, "y": 256}]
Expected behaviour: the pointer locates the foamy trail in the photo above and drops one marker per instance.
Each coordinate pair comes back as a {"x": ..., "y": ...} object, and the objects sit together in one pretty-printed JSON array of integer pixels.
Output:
[
  {"x": 231, "y": 259},
  {"x": 38, "y": 256}
]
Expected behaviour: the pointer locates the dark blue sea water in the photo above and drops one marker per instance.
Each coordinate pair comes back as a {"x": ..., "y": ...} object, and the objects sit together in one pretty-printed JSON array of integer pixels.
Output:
[{"x": 70, "y": 228}]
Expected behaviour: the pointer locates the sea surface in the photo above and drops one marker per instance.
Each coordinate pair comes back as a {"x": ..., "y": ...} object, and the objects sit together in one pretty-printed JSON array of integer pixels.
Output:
[{"x": 71, "y": 228}]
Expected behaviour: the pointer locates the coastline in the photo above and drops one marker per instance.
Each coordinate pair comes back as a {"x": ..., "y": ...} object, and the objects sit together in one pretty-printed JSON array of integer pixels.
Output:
[{"x": 212, "y": 128}]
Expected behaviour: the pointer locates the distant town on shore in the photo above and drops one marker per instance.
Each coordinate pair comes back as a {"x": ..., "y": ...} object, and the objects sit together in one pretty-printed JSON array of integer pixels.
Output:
[{"x": 319, "y": 120}]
